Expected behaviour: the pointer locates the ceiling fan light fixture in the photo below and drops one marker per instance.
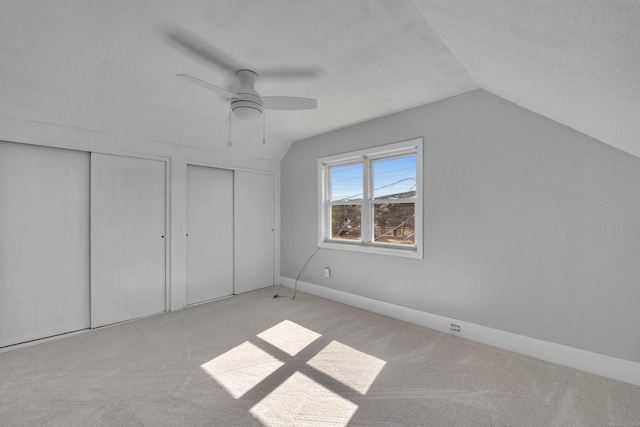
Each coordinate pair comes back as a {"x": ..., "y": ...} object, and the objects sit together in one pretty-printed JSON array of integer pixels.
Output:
[{"x": 246, "y": 110}]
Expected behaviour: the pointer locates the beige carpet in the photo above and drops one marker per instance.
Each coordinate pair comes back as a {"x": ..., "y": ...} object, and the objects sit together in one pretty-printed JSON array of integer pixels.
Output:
[{"x": 255, "y": 360}]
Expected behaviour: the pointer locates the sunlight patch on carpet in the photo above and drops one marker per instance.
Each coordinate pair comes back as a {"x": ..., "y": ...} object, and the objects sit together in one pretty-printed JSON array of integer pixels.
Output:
[
  {"x": 294, "y": 399},
  {"x": 289, "y": 337},
  {"x": 351, "y": 367},
  {"x": 300, "y": 401},
  {"x": 241, "y": 368}
]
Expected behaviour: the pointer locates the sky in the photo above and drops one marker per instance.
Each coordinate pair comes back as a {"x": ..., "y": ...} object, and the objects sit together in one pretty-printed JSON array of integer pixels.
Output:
[{"x": 390, "y": 176}]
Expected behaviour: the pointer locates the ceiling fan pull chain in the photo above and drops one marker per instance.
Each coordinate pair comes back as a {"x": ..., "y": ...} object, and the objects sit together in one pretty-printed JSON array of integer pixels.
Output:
[
  {"x": 247, "y": 104},
  {"x": 229, "y": 143}
]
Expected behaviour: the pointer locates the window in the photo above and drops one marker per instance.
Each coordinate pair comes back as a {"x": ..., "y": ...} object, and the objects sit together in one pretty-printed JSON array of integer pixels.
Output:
[{"x": 371, "y": 200}]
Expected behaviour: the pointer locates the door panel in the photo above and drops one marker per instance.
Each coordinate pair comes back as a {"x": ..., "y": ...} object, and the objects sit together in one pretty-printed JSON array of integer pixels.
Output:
[
  {"x": 128, "y": 204},
  {"x": 253, "y": 224},
  {"x": 44, "y": 243},
  {"x": 210, "y": 233}
]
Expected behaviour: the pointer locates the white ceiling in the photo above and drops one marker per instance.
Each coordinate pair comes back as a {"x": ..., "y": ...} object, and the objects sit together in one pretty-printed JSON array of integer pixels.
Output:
[
  {"x": 109, "y": 66},
  {"x": 573, "y": 61}
]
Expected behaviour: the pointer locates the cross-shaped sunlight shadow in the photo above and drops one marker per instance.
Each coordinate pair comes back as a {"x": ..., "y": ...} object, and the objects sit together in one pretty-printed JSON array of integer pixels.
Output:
[
  {"x": 351, "y": 367},
  {"x": 289, "y": 337},
  {"x": 295, "y": 399},
  {"x": 300, "y": 401},
  {"x": 241, "y": 368}
]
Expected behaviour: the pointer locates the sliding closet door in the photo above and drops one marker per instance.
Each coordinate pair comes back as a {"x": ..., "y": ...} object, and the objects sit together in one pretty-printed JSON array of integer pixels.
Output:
[
  {"x": 44, "y": 242},
  {"x": 128, "y": 205},
  {"x": 253, "y": 206},
  {"x": 210, "y": 233}
]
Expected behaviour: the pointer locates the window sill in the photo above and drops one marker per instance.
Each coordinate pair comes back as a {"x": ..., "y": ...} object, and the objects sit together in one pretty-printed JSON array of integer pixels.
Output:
[{"x": 410, "y": 252}]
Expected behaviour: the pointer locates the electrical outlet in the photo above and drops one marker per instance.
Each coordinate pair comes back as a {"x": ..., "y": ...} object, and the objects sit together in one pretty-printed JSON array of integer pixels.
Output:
[
  {"x": 327, "y": 272},
  {"x": 455, "y": 328}
]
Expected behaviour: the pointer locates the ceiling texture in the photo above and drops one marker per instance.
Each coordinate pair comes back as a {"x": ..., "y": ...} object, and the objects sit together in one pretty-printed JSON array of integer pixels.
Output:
[{"x": 110, "y": 66}]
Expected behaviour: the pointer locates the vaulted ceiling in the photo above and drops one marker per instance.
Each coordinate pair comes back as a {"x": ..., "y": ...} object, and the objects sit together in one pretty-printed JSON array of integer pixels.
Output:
[{"x": 110, "y": 66}]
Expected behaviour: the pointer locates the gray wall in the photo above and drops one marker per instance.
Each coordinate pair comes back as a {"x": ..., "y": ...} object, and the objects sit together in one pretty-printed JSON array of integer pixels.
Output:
[{"x": 529, "y": 226}]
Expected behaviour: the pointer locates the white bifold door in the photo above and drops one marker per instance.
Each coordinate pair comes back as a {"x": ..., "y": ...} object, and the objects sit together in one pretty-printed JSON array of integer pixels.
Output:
[
  {"x": 128, "y": 230},
  {"x": 44, "y": 242},
  {"x": 253, "y": 224},
  {"x": 209, "y": 233}
]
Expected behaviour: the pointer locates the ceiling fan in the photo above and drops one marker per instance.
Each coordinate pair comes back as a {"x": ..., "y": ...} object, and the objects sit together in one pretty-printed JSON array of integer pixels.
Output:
[{"x": 246, "y": 102}]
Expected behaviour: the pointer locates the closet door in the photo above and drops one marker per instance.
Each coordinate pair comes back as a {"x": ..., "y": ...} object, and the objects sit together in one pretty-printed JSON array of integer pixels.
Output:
[
  {"x": 253, "y": 223},
  {"x": 128, "y": 205},
  {"x": 210, "y": 233},
  {"x": 44, "y": 242}
]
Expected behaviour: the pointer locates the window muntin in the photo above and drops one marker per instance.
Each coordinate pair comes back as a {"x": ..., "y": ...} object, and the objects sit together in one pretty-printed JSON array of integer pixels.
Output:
[{"x": 370, "y": 200}]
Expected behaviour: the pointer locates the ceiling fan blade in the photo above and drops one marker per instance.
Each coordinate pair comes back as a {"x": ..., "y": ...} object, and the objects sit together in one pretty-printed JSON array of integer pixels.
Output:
[
  {"x": 208, "y": 86},
  {"x": 289, "y": 103},
  {"x": 202, "y": 49}
]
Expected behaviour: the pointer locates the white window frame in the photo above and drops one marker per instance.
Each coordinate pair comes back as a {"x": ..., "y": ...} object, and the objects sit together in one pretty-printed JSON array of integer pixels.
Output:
[{"x": 366, "y": 157}]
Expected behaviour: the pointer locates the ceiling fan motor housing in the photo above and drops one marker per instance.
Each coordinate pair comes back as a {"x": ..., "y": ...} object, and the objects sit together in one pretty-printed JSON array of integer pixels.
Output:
[{"x": 248, "y": 105}]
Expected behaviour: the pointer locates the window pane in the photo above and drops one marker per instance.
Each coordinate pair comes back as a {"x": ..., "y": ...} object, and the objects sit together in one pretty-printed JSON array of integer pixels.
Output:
[
  {"x": 345, "y": 222},
  {"x": 394, "y": 178},
  {"x": 346, "y": 182},
  {"x": 394, "y": 223}
]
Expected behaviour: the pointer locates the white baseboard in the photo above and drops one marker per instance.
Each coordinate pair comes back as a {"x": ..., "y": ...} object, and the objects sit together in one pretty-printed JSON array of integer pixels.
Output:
[
  {"x": 41, "y": 340},
  {"x": 599, "y": 364}
]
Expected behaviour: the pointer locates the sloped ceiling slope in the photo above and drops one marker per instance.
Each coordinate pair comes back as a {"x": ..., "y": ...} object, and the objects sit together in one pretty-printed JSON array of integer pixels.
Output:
[
  {"x": 574, "y": 61},
  {"x": 109, "y": 67}
]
